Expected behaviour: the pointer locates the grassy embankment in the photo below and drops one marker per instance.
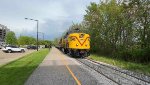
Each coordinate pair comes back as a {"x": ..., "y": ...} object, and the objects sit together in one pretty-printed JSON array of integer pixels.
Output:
[
  {"x": 17, "y": 72},
  {"x": 137, "y": 67}
]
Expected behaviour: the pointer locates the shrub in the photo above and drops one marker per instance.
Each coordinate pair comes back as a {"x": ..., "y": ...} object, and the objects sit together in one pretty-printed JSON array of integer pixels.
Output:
[{"x": 134, "y": 55}]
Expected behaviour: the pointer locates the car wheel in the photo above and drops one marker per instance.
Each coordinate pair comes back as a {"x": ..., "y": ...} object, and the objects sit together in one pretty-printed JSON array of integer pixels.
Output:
[
  {"x": 22, "y": 50},
  {"x": 9, "y": 51}
]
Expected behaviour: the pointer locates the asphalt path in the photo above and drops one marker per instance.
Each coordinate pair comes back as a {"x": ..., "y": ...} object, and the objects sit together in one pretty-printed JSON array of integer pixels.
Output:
[{"x": 60, "y": 69}]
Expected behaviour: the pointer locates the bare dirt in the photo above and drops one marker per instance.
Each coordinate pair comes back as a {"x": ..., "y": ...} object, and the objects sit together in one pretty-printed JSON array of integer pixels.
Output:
[{"x": 8, "y": 57}]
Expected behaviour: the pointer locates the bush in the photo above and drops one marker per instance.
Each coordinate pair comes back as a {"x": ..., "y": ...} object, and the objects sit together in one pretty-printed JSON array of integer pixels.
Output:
[
  {"x": 124, "y": 55},
  {"x": 134, "y": 55}
]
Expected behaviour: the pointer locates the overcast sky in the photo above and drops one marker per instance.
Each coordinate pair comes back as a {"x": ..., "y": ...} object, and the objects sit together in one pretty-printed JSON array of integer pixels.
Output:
[{"x": 55, "y": 16}]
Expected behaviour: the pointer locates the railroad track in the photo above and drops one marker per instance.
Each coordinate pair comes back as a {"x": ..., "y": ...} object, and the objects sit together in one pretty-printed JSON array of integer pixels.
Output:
[
  {"x": 138, "y": 76},
  {"x": 118, "y": 76}
]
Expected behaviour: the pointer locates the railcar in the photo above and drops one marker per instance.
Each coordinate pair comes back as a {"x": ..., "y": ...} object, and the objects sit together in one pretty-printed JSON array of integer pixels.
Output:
[{"x": 76, "y": 44}]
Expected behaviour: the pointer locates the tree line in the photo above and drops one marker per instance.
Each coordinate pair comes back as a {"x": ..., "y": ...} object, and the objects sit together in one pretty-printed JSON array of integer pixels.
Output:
[
  {"x": 23, "y": 40},
  {"x": 119, "y": 29}
]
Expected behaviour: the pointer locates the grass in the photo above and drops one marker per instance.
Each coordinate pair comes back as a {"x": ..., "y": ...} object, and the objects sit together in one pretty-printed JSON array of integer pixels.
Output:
[
  {"x": 17, "y": 72},
  {"x": 137, "y": 67}
]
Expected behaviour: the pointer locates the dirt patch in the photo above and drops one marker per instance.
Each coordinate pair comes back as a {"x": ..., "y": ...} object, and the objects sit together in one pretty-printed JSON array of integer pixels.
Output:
[{"x": 8, "y": 57}]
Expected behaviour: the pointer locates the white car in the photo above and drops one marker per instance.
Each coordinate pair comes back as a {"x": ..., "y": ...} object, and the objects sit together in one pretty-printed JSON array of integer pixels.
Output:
[{"x": 10, "y": 49}]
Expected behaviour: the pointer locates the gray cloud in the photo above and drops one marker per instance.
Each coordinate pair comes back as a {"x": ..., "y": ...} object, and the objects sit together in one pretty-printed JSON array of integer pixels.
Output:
[
  {"x": 53, "y": 29},
  {"x": 55, "y": 16}
]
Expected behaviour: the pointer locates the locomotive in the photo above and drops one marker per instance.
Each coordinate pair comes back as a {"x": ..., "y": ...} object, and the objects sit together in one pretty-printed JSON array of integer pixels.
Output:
[{"x": 75, "y": 44}]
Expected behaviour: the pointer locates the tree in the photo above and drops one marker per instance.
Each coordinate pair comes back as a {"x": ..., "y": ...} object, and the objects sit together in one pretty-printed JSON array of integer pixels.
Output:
[
  {"x": 47, "y": 42},
  {"x": 44, "y": 42},
  {"x": 56, "y": 41},
  {"x": 26, "y": 40},
  {"x": 11, "y": 38},
  {"x": 118, "y": 28}
]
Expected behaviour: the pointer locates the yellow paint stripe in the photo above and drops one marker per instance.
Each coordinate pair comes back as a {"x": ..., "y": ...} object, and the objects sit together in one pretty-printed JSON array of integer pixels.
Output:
[{"x": 72, "y": 74}]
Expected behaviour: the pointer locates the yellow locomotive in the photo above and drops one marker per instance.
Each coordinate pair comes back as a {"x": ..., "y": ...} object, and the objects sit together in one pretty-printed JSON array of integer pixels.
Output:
[{"x": 76, "y": 44}]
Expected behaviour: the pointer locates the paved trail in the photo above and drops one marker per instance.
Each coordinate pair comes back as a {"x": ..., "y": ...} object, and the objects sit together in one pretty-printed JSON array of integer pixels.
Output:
[{"x": 59, "y": 69}]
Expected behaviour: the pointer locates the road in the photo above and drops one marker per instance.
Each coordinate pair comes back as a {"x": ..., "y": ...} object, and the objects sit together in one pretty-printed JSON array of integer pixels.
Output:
[
  {"x": 60, "y": 69},
  {"x": 8, "y": 57}
]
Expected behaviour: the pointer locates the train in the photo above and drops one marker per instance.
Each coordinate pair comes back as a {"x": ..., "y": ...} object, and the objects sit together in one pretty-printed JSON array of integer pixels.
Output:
[{"x": 75, "y": 44}]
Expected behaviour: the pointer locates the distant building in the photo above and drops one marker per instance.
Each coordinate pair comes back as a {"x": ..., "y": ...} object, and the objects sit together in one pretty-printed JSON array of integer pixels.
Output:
[{"x": 3, "y": 31}]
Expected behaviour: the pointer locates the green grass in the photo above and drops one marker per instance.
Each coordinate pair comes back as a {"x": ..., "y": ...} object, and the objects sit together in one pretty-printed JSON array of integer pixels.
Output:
[
  {"x": 137, "y": 67},
  {"x": 17, "y": 72}
]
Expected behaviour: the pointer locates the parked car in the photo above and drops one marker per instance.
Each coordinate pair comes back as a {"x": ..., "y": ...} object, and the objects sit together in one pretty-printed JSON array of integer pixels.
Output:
[
  {"x": 12, "y": 48},
  {"x": 31, "y": 47},
  {"x": 48, "y": 46}
]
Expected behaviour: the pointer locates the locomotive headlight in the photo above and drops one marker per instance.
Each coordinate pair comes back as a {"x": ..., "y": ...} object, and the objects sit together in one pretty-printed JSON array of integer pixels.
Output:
[{"x": 76, "y": 44}]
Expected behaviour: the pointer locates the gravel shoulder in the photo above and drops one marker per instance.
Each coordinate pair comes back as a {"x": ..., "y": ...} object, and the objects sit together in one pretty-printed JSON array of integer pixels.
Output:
[{"x": 8, "y": 57}]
